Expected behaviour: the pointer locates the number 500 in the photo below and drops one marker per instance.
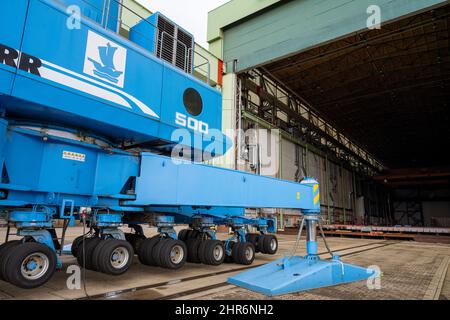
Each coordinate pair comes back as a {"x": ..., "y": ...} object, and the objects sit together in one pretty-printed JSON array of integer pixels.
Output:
[{"x": 191, "y": 123}]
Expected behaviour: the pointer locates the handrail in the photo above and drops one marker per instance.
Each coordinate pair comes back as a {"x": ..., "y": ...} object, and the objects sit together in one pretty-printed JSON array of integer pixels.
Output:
[{"x": 208, "y": 63}]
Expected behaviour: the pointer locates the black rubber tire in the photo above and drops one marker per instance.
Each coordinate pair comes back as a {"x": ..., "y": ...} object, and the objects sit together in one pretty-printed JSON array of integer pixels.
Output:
[
  {"x": 268, "y": 239},
  {"x": 253, "y": 238},
  {"x": 192, "y": 234},
  {"x": 16, "y": 257},
  {"x": 156, "y": 252},
  {"x": 95, "y": 255},
  {"x": 139, "y": 239},
  {"x": 260, "y": 244},
  {"x": 104, "y": 256},
  {"x": 234, "y": 252},
  {"x": 4, "y": 248},
  {"x": 206, "y": 252},
  {"x": 229, "y": 259},
  {"x": 89, "y": 246},
  {"x": 201, "y": 250},
  {"x": 182, "y": 235},
  {"x": 165, "y": 254},
  {"x": 239, "y": 253},
  {"x": 146, "y": 249},
  {"x": 128, "y": 236},
  {"x": 192, "y": 249},
  {"x": 75, "y": 244},
  {"x": 135, "y": 240},
  {"x": 5, "y": 245}
]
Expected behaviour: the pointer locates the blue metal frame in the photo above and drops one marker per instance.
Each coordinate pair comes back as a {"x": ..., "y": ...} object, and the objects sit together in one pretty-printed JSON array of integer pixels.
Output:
[
  {"x": 41, "y": 236},
  {"x": 33, "y": 161},
  {"x": 294, "y": 274},
  {"x": 33, "y": 219}
]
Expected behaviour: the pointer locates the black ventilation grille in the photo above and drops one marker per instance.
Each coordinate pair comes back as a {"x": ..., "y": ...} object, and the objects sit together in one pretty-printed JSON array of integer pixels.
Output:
[
  {"x": 186, "y": 42},
  {"x": 174, "y": 45}
]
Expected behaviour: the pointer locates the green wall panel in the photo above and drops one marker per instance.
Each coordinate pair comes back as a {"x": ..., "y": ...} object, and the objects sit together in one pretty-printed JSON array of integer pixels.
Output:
[{"x": 300, "y": 24}]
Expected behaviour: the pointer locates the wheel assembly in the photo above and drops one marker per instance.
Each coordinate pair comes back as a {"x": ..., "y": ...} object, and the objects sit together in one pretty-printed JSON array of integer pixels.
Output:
[
  {"x": 172, "y": 254},
  {"x": 28, "y": 265},
  {"x": 145, "y": 251},
  {"x": 211, "y": 252},
  {"x": 186, "y": 234},
  {"x": 267, "y": 244},
  {"x": 163, "y": 252},
  {"x": 4, "y": 248},
  {"x": 85, "y": 250},
  {"x": 183, "y": 235},
  {"x": 135, "y": 240},
  {"x": 270, "y": 244},
  {"x": 253, "y": 238},
  {"x": 95, "y": 254},
  {"x": 75, "y": 245},
  {"x": 229, "y": 258},
  {"x": 192, "y": 250},
  {"x": 113, "y": 256},
  {"x": 243, "y": 253},
  {"x": 192, "y": 234},
  {"x": 156, "y": 252}
]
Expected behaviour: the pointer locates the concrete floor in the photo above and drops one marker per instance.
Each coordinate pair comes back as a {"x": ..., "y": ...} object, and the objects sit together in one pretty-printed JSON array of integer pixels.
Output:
[{"x": 410, "y": 270}]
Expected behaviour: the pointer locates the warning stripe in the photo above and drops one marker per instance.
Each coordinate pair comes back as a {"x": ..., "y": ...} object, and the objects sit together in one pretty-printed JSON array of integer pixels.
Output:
[{"x": 316, "y": 198}]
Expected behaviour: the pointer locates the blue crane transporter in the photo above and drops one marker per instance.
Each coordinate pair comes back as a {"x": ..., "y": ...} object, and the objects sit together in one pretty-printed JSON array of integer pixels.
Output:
[{"x": 89, "y": 121}]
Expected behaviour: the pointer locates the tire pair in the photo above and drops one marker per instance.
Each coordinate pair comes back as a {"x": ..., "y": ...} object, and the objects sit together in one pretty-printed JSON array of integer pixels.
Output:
[
  {"x": 163, "y": 252},
  {"x": 210, "y": 252},
  {"x": 242, "y": 253},
  {"x": 110, "y": 256},
  {"x": 264, "y": 243},
  {"x": 186, "y": 234},
  {"x": 135, "y": 240},
  {"x": 26, "y": 265}
]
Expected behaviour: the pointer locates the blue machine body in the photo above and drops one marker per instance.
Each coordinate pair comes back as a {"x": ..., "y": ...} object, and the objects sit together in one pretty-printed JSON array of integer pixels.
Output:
[
  {"x": 96, "y": 11},
  {"x": 145, "y": 33},
  {"x": 138, "y": 103}
]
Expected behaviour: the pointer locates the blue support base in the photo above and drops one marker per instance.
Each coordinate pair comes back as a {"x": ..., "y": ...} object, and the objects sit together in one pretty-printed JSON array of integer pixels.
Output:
[
  {"x": 44, "y": 237},
  {"x": 289, "y": 275}
]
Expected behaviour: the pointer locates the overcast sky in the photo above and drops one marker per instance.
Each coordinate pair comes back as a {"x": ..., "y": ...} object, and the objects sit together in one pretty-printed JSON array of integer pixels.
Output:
[{"x": 192, "y": 15}]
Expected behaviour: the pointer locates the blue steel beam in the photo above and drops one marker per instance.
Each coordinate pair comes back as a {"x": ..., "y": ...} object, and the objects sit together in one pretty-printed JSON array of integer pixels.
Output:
[{"x": 164, "y": 181}]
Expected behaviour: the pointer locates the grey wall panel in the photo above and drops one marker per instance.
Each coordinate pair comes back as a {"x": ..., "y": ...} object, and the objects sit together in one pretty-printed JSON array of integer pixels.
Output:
[
  {"x": 291, "y": 155},
  {"x": 336, "y": 183},
  {"x": 289, "y": 160}
]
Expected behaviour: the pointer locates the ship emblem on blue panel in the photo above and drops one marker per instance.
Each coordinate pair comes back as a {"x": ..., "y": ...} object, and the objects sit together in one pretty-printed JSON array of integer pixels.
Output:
[{"x": 106, "y": 69}]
